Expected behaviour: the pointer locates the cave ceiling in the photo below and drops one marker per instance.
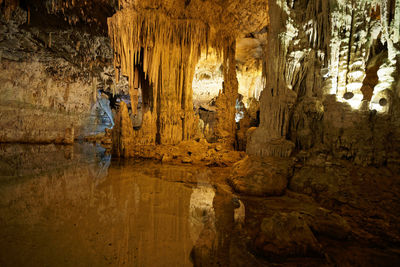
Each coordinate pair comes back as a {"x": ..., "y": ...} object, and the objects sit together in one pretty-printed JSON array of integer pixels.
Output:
[
  {"x": 237, "y": 17},
  {"x": 246, "y": 20}
]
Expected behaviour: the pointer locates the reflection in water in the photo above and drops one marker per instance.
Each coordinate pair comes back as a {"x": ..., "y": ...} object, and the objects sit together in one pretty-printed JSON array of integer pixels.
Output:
[
  {"x": 201, "y": 207},
  {"x": 101, "y": 170},
  {"x": 63, "y": 206},
  {"x": 239, "y": 212}
]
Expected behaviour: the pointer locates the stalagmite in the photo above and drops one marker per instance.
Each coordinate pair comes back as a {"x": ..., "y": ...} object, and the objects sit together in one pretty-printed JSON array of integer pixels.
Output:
[
  {"x": 166, "y": 50},
  {"x": 122, "y": 134},
  {"x": 200, "y": 132},
  {"x": 226, "y": 100},
  {"x": 336, "y": 62}
]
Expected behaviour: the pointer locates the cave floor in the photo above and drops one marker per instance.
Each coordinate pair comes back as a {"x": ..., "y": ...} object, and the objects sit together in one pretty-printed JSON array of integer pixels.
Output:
[{"x": 76, "y": 206}]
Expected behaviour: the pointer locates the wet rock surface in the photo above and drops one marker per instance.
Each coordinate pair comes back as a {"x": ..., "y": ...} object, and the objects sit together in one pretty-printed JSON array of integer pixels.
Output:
[
  {"x": 261, "y": 177},
  {"x": 369, "y": 196},
  {"x": 205, "y": 223},
  {"x": 330, "y": 97},
  {"x": 193, "y": 152},
  {"x": 285, "y": 235},
  {"x": 347, "y": 213}
]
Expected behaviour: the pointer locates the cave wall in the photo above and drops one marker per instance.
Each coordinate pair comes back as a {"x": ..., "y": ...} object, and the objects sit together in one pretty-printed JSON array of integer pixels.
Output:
[
  {"x": 332, "y": 82},
  {"x": 49, "y": 77}
]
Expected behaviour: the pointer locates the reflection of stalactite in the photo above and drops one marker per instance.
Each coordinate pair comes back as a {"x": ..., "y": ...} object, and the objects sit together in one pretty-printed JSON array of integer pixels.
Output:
[{"x": 201, "y": 210}]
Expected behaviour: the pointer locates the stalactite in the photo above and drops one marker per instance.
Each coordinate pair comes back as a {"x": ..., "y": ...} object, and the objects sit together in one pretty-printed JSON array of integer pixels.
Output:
[
  {"x": 326, "y": 50},
  {"x": 94, "y": 89},
  {"x": 356, "y": 26},
  {"x": 9, "y": 7},
  {"x": 167, "y": 51},
  {"x": 29, "y": 16},
  {"x": 226, "y": 101}
]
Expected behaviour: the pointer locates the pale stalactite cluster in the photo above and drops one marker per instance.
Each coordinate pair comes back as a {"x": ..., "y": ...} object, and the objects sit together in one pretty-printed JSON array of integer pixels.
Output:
[
  {"x": 208, "y": 79},
  {"x": 167, "y": 51},
  {"x": 330, "y": 65},
  {"x": 356, "y": 29},
  {"x": 234, "y": 17},
  {"x": 151, "y": 46},
  {"x": 160, "y": 43}
]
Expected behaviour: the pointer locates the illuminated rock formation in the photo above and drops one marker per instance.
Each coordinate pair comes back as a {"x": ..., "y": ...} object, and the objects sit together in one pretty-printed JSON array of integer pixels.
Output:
[
  {"x": 48, "y": 80},
  {"x": 167, "y": 52},
  {"x": 225, "y": 103},
  {"x": 329, "y": 73},
  {"x": 331, "y": 80},
  {"x": 166, "y": 48}
]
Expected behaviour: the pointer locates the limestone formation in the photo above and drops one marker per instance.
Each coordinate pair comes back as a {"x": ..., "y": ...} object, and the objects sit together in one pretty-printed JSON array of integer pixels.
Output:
[
  {"x": 138, "y": 113},
  {"x": 46, "y": 93},
  {"x": 260, "y": 177},
  {"x": 225, "y": 127},
  {"x": 287, "y": 235},
  {"x": 123, "y": 142},
  {"x": 162, "y": 48},
  {"x": 337, "y": 62}
]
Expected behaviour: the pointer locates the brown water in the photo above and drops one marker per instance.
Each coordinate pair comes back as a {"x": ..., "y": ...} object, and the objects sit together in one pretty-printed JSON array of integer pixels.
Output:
[{"x": 75, "y": 206}]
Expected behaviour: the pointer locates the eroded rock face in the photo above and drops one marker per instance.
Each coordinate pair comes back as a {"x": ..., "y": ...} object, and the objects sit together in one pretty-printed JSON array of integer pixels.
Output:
[
  {"x": 208, "y": 78},
  {"x": 332, "y": 82},
  {"x": 365, "y": 194},
  {"x": 165, "y": 41},
  {"x": 287, "y": 234},
  {"x": 261, "y": 177},
  {"x": 48, "y": 80},
  {"x": 242, "y": 17}
]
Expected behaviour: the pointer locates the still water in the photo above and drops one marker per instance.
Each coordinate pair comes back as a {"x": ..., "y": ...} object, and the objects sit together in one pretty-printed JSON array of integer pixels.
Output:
[{"x": 76, "y": 206}]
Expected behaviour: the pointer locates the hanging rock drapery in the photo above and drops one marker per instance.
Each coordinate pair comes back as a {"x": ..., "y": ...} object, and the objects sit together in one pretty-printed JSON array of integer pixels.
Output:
[{"x": 167, "y": 51}]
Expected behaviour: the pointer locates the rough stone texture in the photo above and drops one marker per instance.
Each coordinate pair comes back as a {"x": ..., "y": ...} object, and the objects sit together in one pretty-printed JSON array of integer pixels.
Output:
[
  {"x": 367, "y": 195},
  {"x": 68, "y": 12},
  {"x": 332, "y": 91},
  {"x": 123, "y": 142},
  {"x": 166, "y": 65},
  {"x": 261, "y": 177},
  {"x": 46, "y": 97},
  {"x": 287, "y": 234},
  {"x": 208, "y": 78},
  {"x": 332, "y": 82},
  {"x": 225, "y": 103},
  {"x": 238, "y": 17},
  {"x": 331, "y": 231},
  {"x": 38, "y": 109},
  {"x": 159, "y": 43},
  {"x": 194, "y": 152}
]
